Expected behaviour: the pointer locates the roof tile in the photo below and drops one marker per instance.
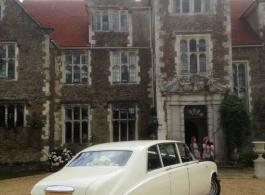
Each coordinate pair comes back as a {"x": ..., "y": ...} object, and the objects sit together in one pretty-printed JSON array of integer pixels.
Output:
[
  {"x": 69, "y": 20},
  {"x": 242, "y": 32}
]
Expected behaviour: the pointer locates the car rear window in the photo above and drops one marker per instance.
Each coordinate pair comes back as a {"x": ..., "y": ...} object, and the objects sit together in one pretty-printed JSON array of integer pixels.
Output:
[{"x": 102, "y": 158}]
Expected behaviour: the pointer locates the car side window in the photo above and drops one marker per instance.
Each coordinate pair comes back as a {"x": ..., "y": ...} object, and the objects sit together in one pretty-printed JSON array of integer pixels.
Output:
[
  {"x": 169, "y": 154},
  {"x": 153, "y": 161},
  {"x": 185, "y": 153}
]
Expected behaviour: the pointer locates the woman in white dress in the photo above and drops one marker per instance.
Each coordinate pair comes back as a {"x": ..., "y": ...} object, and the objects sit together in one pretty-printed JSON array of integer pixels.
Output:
[{"x": 194, "y": 148}]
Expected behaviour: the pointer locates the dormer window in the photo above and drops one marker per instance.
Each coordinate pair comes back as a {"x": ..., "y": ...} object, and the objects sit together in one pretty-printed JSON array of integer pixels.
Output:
[
  {"x": 110, "y": 20},
  {"x": 193, "y": 6}
]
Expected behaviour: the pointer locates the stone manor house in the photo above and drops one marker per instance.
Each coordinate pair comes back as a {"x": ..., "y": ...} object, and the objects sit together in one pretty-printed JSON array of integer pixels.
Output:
[{"x": 76, "y": 72}]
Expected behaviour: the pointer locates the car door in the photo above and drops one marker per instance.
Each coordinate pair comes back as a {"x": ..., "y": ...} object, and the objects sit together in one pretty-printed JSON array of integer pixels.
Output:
[
  {"x": 178, "y": 173},
  {"x": 157, "y": 181},
  {"x": 197, "y": 171}
]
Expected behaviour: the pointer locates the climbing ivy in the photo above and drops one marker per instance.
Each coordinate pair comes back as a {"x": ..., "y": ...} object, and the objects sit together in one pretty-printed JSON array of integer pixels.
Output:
[{"x": 235, "y": 122}]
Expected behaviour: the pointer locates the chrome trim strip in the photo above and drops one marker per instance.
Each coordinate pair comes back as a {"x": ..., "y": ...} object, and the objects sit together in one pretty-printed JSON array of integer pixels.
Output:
[{"x": 59, "y": 189}]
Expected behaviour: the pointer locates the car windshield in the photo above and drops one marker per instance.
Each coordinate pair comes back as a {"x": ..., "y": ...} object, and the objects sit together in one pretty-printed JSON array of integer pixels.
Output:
[{"x": 102, "y": 158}]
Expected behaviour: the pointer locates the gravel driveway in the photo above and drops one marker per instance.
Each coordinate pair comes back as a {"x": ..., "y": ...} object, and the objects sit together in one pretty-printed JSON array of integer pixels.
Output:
[{"x": 246, "y": 186}]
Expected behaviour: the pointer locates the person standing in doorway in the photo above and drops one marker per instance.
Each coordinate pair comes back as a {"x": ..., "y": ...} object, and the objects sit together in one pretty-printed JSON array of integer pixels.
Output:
[
  {"x": 208, "y": 149},
  {"x": 194, "y": 148}
]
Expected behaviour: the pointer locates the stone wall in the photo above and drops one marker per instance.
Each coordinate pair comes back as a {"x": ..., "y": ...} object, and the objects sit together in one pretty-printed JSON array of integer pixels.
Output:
[
  {"x": 254, "y": 56},
  {"x": 100, "y": 92},
  {"x": 24, "y": 144}
]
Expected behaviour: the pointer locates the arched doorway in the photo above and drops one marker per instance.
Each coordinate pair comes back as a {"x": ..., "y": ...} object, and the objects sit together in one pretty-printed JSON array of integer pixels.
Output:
[
  {"x": 195, "y": 123},
  {"x": 191, "y": 129}
]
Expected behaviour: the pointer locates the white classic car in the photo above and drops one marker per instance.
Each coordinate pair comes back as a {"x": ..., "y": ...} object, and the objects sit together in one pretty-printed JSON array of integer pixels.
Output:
[{"x": 156, "y": 167}]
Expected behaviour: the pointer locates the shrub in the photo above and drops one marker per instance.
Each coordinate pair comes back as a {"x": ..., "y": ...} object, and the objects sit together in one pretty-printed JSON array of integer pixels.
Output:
[
  {"x": 58, "y": 158},
  {"x": 235, "y": 122},
  {"x": 246, "y": 159}
]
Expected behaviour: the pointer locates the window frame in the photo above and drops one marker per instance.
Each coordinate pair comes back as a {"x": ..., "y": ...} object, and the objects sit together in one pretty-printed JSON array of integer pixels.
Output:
[
  {"x": 203, "y": 53},
  {"x": 2, "y": 7},
  {"x": 7, "y": 61},
  {"x": 74, "y": 121},
  {"x": 245, "y": 63},
  {"x": 69, "y": 69},
  {"x": 112, "y": 25},
  {"x": 120, "y": 74},
  {"x": 177, "y": 7},
  {"x": 15, "y": 118},
  {"x": 121, "y": 120}
]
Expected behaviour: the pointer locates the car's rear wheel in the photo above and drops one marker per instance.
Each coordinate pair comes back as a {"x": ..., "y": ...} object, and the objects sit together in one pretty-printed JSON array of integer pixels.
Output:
[{"x": 215, "y": 186}]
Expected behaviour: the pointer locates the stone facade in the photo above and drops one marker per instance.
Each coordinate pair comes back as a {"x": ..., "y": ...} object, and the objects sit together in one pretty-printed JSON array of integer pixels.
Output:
[
  {"x": 24, "y": 89},
  {"x": 177, "y": 91},
  {"x": 41, "y": 85},
  {"x": 133, "y": 60}
]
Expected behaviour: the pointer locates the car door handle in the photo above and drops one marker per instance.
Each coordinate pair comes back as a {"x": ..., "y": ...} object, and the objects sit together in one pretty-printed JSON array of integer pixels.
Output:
[{"x": 168, "y": 169}]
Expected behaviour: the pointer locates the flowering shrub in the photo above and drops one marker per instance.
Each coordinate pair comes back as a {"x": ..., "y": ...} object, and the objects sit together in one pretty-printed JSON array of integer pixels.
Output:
[{"x": 58, "y": 158}]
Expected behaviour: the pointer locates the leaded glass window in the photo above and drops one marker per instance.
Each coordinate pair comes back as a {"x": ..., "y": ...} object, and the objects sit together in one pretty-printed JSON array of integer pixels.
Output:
[
  {"x": 183, "y": 46},
  {"x": 76, "y": 124},
  {"x": 185, "y": 6},
  {"x": 192, "y": 6},
  {"x": 202, "y": 45},
  {"x": 110, "y": 20},
  {"x": 207, "y": 5},
  {"x": 12, "y": 115},
  {"x": 192, "y": 45},
  {"x": 105, "y": 21},
  {"x": 97, "y": 21},
  {"x": 197, "y": 5},
  {"x": 132, "y": 73},
  {"x": 76, "y": 68},
  {"x": 184, "y": 63},
  {"x": 177, "y": 6},
  {"x": 132, "y": 58},
  {"x": 193, "y": 63},
  {"x": 239, "y": 79},
  {"x": 7, "y": 61},
  {"x": 2, "y": 51},
  {"x": 116, "y": 20},
  {"x": 203, "y": 63},
  {"x": 116, "y": 74},
  {"x": 124, "y": 67},
  {"x": 123, "y": 122},
  {"x": 193, "y": 60},
  {"x": 123, "y": 20}
]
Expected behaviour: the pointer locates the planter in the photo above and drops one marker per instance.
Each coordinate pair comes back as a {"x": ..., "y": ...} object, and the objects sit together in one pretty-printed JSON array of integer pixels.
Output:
[
  {"x": 259, "y": 148},
  {"x": 259, "y": 163}
]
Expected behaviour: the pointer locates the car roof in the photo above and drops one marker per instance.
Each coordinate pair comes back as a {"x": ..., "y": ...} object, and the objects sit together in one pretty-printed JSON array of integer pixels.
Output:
[{"x": 128, "y": 145}]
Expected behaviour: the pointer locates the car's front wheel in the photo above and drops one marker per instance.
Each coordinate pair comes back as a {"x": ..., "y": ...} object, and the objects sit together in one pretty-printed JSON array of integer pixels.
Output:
[{"x": 215, "y": 186}]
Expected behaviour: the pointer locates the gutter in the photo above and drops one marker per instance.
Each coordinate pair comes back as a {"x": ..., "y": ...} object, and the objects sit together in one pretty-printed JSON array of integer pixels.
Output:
[{"x": 237, "y": 46}]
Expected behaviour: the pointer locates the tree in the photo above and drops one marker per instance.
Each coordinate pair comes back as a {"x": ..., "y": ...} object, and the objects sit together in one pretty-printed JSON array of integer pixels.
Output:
[{"x": 235, "y": 122}]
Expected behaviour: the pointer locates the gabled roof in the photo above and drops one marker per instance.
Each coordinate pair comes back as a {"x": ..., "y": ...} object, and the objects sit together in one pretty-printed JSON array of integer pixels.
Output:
[
  {"x": 242, "y": 32},
  {"x": 33, "y": 18},
  {"x": 69, "y": 19}
]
